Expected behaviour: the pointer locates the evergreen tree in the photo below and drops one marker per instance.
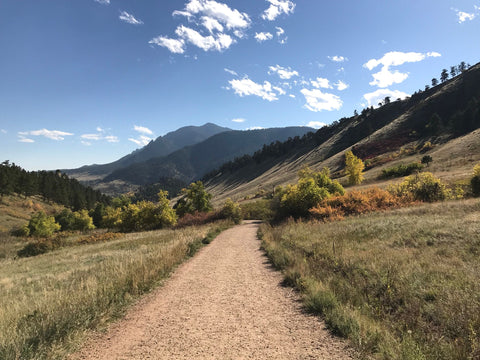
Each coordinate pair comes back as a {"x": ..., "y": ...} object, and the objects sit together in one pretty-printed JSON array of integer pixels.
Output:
[{"x": 444, "y": 75}]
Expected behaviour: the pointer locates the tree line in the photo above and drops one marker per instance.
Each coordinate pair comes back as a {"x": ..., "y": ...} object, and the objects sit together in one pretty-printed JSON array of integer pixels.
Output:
[{"x": 52, "y": 186}]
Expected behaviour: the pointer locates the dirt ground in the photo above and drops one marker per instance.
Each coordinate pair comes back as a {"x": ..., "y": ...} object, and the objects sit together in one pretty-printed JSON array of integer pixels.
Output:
[{"x": 225, "y": 303}]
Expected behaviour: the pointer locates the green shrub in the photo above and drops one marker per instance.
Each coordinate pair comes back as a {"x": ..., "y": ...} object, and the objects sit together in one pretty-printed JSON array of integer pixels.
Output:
[
  {"x": 231, "y": 211},
  {"x": 401, "y": 170},
  {"x": 422, "y": 187},
  {"x": 42, "y": 225},
  {"x": 257, "y": 210}
]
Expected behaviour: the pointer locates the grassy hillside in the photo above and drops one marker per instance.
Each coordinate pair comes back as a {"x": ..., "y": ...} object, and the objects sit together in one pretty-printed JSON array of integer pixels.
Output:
[
  {"x": 446, "y": 116},
  {"x": 48, "y": 302},
  {"x": 401, "y": 284}
]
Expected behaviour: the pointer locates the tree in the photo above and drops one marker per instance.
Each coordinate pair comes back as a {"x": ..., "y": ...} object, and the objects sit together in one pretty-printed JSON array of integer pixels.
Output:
[
  {"x": 353, "y": 168},
  {"x": 195, "y": 199},
  {"x": 427, "y": 87},
  {"x": 386, "y": 100},
  {"x": 434, "y": 82},
  {"x": 42, "y": 225},
  {"x": 462, "y": 67},
  {"x": 427, "y": 159},
  {"x": 453, "y": 71},
  {"x": 444, "y": 75}
]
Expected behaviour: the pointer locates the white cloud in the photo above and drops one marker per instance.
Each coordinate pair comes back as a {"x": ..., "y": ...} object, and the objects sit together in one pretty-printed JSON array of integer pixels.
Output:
[
  {"x": 50, "y": 134},
  {"x": 378, "y": 96},
  {"x": 318, "y": 100},
  {"x": 95, "y": 137},
  {"x": 316, "y": 124},
  {"x": 255, "y": 128},
  {"x": 283, "y": 73},
  {"x": 282, "y": 39},
  {"x": 141, "y": 141},
  {"x": 341, "y": 85},
  {"x": 104, "y": 2},
  {"x": 278, "y": 7},
  {"x": 231, "y": 18},
  {"x": 112, "y": 139},
  {"x": 464, "y": 16},
  {"x": 142, "y": 130},
  {"x": 279, "y": 90},
  {"x": 176, "y": 46},
  {"x": 385, "y": 77},
  {"x": 219, "y": 43},
  {"x": 246, "y": 87},
  {"x": 239, "y": 120},
  {"x": 337, "y": 58},
  {"x": 292, "y": 96},
  {"x": 321, "y": 83},
  {"x": 25, "y": 140},
  {"x": 3, "y": 131},
  {"x": 129, "y": 18},
  {"x": 263, "y": 36},
  {"x": 231, "y": 72},
  {"x": 211, "y": 24}
]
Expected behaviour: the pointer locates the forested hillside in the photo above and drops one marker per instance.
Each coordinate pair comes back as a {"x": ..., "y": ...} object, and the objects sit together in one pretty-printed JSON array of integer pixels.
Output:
[{"x": 52, "y": 186}]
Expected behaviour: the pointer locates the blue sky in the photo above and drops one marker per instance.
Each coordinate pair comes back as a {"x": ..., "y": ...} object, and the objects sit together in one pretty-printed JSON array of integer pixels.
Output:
[{"x": 88, "y": 81}]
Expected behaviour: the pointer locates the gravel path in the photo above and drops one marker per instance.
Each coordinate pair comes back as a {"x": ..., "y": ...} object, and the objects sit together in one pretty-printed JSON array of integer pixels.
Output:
[{"x": 225, "y": 303}]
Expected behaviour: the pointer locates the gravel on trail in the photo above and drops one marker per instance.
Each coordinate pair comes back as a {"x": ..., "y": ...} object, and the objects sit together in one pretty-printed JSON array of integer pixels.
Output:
[{"x": 225, "y": 303}]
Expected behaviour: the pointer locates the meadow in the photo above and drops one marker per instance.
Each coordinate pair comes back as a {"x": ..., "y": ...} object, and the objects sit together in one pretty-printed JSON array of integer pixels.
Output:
[
  {"x": 400, "y": 284},
  {"x": 49, "y": 302}
]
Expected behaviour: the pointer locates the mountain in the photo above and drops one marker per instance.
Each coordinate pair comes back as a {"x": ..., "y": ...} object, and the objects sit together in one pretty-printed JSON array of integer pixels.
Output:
[
  {"x": 194, "y": 161},
  {"x": 442, "y": 121},
  {"x": 161, "y": 146}
]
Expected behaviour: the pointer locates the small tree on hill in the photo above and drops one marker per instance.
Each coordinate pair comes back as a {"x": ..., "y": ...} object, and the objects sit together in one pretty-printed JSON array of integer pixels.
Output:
[
  {"x": 426, "y": 160},
  {"x": 354, "y": 168},
  {"x": 444, "y": 75},
  {"x": 434, "y": 82},
  {"x": 195, "y": 199}
]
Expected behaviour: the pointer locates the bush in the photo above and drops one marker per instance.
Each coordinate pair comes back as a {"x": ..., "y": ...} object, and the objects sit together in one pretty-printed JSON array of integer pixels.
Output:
[
  {"x": 475, "y": 180},
  {"x": 197, "y": 219},
  {"x": 231, "y": 211},
  {"x": 78, "y": 220},
  {"x": 401, "y": 170},
  {"x": 356, "y": 202},
  {"x": 42, "y": 225},
  {"x": 312, "y": 187},
  {"x": 257, "y": 210},
  {"x": 353, "y": 168},
  {"x": 422, "y": 187}
]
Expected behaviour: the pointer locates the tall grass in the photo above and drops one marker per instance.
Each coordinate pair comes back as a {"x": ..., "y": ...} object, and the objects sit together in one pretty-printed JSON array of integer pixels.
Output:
[
  {"x": 401, "y": 285},
  {"x": 47, "y": 302}
]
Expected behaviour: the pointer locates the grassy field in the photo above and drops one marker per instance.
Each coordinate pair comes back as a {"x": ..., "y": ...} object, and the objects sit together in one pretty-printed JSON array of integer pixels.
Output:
[
  {"x": 403, "y": 284},
  {"x": 48, "y": 302}
]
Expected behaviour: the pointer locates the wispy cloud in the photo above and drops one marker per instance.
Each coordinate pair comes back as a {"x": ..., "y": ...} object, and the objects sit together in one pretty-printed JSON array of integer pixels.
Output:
[
  {"x": 206, "y": 43},
  {"x": 386, "y": 77},
  {"x": 239, "y": 120},
  {"x": 129, "y": 18},
  {"x": 282, "y": 38},
  {"x": 231, "y": 72},
  {"x": 283, "y": 73},
  {"x": 100, "y": 135},
  {"x": 142, "y": 130},
  {"x": 463, "y": 16},
  {"x": 3, "y": 131},
  {"x": 319, "y": 101},
  {"x": 176, "y": 46},
  {"x": 277, "y": 8},
  {"x": 374, "y": 98},
  {"x": 141, "y": 141},
  {"x": 103, "y": 2},
  {"x": 263, "y": 36},
  {"x": 247, "y": 87},
  {"x": 337, "y": 58},
  {"x": 50, "y": 134}
]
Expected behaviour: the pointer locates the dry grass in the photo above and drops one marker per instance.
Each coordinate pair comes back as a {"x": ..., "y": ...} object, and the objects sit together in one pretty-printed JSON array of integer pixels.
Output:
[
  {"x": 401, "y": 285},
  {"x": 48, "y": 302}
]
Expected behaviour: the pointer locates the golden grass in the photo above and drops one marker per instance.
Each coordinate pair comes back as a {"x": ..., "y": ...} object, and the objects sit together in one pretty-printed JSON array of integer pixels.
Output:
[
  {"x": 402, "y": 284},
  {"x": 47, "y": 302}
]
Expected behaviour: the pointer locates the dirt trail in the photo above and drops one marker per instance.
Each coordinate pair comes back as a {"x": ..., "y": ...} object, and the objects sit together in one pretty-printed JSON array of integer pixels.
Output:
[{"x": 225, "y": 303}]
